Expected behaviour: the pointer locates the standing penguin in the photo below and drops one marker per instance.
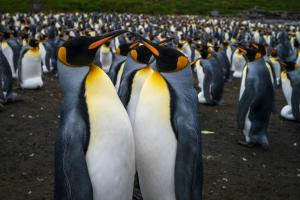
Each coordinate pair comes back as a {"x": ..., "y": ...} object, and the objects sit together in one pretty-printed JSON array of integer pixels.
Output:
[
  {"x": 30, "y": 69},
  {"x": 211, "y": 78},
  {"x": 238, "y": 63},
  {"x": 94, "y": 155},
  {"x": 6, "y": 81},
  {"x": 105, "y": 56},
  {"x": 167, "y": 129},
  {"x": 256, "y": 101},
  {"x": 290, "y": 77}
]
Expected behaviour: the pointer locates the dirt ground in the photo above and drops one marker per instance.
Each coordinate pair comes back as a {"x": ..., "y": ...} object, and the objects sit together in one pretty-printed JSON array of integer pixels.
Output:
[{"x": 231, "y": 172}]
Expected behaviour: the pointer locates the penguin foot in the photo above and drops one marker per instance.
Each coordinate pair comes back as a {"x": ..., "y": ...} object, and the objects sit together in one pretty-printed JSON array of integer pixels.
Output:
[
  {"x": 246, "y": 144},
  {"x": 2, "y": 108}
]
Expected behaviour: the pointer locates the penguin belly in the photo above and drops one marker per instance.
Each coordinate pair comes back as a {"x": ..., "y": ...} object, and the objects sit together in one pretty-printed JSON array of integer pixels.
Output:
[
  {"x": 105, "y": 58},
  {"x": 43, "y": 57},
  {"x": 201, "y": 76},
  {"x": 238, "y": 63},
  {"x": 286, "y": 88},
  {"x": 119, "y": 76},
  {"x": 155, "y": 141},
  {"x": 9, "y": 54},
  {"x": 31, "y": 71},
  {"x": 298, "y": 58},
  {"x": 137, "y": 84},
  {"x": 277, "y": 70},
  {"x": 110, "y": 153}
]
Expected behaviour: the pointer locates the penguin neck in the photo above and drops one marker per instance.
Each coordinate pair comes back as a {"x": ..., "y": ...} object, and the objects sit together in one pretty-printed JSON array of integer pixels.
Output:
[{"x": 98, "y": 88}]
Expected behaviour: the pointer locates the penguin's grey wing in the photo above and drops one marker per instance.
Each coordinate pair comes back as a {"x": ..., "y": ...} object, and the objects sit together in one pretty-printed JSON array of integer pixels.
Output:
[
  {"x": 206, "y": 84},
  {"x": 71, "y": 173},
  {"x": 16, "y": 47},
  {"x": 295, "y": 80},
  {"x": 186, "y": 125},
  {"x": 48, "y": 49},
  {"x": 130, "y": 69},
  {"x": 245, "y": 102},
  {"x": 6, "y": 76},
  {"x": 22, "y": 53},
  {"x": 114, "y": 69}
]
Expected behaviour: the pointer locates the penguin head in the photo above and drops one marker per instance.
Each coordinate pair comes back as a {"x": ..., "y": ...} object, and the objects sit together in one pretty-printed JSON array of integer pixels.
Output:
[
  {"x": 167, "y": 59},
  {"x": 33, "y": 43},
  {"x": 80, "y": 51},
  {"x": 261, "y": 48},
  {"x": 251, "y": 54},
  {"x": 124, "y": 49},
  {"x": 288, "y": 66},
  {"x": 141, "y": 54},
  {"x": 205, "y": 52}
]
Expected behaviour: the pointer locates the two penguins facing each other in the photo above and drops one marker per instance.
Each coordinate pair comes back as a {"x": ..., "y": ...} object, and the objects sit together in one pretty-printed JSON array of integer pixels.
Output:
[{"x": 99, "y": 145}]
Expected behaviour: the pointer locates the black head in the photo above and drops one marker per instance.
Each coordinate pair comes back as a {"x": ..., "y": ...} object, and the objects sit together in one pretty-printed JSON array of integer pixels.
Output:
[
  {"x": 80, "y": 51},
  {"x": 167, "y": 59},
  {"x": 251, "y": 54},
  {"x": 33, "y": 43},
  {"x": 288, "y": 66},
  {"x": 124, "y": 49}
]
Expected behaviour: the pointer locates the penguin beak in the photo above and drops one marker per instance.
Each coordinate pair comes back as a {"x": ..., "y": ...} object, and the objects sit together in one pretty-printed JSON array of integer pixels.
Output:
[
  {"x": 105, "y": 38},
  {"x": 166, "y": 41},
  {"x": 255, "y": 46},
  {"x": 80, "y": 51},
  {"x": 242, "y": 51},
  {"x": 148, "y": 44}
]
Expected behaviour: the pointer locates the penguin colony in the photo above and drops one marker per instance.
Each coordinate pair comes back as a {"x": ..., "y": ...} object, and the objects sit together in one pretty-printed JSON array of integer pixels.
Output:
[{"x": 130, "y": 105}]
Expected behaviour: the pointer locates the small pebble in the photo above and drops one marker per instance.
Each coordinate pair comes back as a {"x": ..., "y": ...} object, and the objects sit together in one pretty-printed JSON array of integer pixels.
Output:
[
  {"x": 298, "y": 175},
  {"x": 29, "y": 116},
  {"x": 225, "y": 179},
  {"x": 31, "y": 155},
  {"x": 29, "y": 192},
  {"x": 224, "y": 187},
  {"x": 30, "y": 134},
  {"x": 12, "y": 115},
  {"x": 39, "y": 179},
  {"x": 244, "y": 159},
  {"x": 295, "y": 144}
]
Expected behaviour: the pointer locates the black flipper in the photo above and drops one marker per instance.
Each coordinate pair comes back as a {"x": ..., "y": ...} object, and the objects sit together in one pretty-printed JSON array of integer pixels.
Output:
[
  {"x": 296, "y": 102},
  {"x": 244, "y": 103},
  {"x": 186, "y": 124},
  {"x": 71, "y": 173},
  {"x": 206, "y": 85}
]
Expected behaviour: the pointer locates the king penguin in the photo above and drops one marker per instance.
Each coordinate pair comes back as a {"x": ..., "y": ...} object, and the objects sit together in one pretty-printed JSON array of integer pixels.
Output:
[
  {"x": 256, "y": 101},
  {"x": 94, "y": 154},
  {"x": 167, "y": 129},
  {"x": 30, "y": 69},
  {"x": 211, "y": 78},
  {"x": 238, "y": 63},
  {"x": 290, "y": 77}
]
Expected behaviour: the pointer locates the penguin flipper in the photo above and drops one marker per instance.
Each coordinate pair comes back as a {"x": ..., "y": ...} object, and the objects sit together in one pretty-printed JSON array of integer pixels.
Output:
[
  {"x": 295, "y": 103},
  {"x": 188, "y": 168},
  {"x": 206, "y": 86},
  {"x": 245, "y": 101},
  {"x": 71, "y": 173}
]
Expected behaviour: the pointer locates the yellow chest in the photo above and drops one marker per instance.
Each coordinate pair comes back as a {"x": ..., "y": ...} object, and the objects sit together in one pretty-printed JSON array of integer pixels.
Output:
[{"x": 34, "y": 52}]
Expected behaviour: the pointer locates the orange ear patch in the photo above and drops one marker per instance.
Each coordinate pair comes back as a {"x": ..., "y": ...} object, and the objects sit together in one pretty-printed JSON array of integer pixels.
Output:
[
  {"x": 134, "y": 54},
  {"x": 99, "y": 43},
  {"x": 181, "y": 62},
  {"x": 62, "y": 55}
]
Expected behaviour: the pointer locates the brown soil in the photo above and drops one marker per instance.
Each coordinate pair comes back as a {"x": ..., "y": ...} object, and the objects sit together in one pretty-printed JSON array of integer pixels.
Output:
[{"x": 231, "y": 172}]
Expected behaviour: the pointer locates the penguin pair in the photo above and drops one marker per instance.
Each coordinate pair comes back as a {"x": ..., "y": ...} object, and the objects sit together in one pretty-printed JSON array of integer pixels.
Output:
[
  {"x": 94, "y": 153},
  {"x": 90, "y": 132},
  {"x": 256, "y": 101},
  {"x": 290, "y": 77},
  {"x": 30, "y": 68},
  {"x": 210, "y": 77},
  {"x": 166, "y": 127}
]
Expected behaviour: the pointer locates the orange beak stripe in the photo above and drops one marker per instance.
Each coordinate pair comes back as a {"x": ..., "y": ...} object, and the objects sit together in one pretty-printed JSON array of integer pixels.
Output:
[{"x": 99, "y": 43}]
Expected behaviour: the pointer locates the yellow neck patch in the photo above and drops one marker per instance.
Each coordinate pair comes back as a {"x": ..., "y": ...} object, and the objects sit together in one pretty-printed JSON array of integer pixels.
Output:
[{"x": 34, "y": 52}]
